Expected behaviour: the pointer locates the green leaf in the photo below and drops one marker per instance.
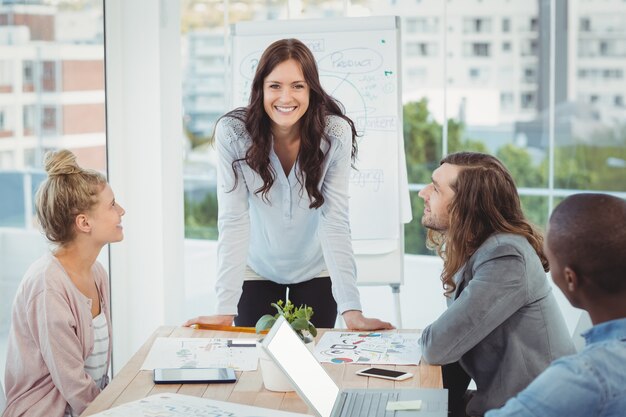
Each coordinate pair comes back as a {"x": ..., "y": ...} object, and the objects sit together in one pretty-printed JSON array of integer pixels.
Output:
[
  {"x": 264, "y": 323},
  {"x": 300, "y": 324},
  {"x": 278, "y": 307}
]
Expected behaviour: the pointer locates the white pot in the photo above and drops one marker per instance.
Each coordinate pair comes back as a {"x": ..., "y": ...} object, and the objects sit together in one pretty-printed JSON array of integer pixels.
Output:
[{"x": 274, "y": 378}]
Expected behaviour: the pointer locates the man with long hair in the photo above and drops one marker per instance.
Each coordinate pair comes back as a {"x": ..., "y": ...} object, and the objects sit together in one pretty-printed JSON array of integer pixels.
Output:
[
  {"x": 502, "y": 326},
  {"x": 586, "y": 247}
]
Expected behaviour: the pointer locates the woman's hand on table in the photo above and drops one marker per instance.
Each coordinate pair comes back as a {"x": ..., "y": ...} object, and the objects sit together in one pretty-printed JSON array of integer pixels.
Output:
[
  {"x": 355, "y": 320},
  {"x": 220, "y": 320}
]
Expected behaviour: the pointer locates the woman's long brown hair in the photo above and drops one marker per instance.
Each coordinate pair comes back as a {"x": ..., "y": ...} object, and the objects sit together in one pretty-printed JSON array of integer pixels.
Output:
[
  {"x": 485, "y": 202},
  {"x": 312, "y": 123}
]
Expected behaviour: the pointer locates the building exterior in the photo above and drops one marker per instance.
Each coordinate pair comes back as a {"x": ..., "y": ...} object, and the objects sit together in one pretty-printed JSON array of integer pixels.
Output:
[
  {"x": 204, "y": 86},
  {"x": 51, "y": 92},
  {"x": 598, "y": 50}
]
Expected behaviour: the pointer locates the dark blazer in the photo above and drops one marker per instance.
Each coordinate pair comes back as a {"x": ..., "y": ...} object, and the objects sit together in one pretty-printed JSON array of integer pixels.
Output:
[{"x": 502, "y": 325}]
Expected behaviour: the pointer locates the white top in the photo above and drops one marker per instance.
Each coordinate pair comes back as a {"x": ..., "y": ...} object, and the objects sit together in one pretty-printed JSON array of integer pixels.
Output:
[
  {"x": 250, "y": 275},
  {"x": 284, "y": 240},
  {"x": 96, "y": 364}
]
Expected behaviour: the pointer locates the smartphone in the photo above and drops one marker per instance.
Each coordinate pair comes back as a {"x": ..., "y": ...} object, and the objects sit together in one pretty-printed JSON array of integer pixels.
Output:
[
  {"x": 385, "y": 374},
  {"x": 194, "y": 375}
]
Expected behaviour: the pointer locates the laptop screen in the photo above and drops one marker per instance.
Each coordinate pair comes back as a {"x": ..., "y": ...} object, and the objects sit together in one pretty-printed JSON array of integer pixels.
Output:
[{"x": 301, "y": 366}]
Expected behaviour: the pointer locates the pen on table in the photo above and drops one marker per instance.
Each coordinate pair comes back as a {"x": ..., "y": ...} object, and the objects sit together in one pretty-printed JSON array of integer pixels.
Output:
[
  {"x": 236, "y": 343},
  {"x": 226, "y": 328}
]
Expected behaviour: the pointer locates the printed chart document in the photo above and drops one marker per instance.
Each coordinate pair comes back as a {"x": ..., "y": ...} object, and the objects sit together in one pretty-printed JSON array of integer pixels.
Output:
[
  {"x": 195, "y": 352},
  {"x": 178, "y": 405},
  {"x": 375, "y": 348}
]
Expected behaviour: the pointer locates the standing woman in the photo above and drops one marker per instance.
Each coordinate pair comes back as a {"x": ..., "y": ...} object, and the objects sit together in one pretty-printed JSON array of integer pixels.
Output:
[
  {"x": 60, "y": 339},
  {"x": 283, "y": 171}
]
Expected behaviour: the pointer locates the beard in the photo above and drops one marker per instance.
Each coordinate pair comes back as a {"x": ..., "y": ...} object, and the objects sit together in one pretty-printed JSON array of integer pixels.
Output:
[{"x": 434, "y": 223}]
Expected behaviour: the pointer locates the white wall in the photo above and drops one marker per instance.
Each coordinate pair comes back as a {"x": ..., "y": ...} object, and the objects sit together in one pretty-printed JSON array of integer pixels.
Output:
[{"x": 144, "y": 125}]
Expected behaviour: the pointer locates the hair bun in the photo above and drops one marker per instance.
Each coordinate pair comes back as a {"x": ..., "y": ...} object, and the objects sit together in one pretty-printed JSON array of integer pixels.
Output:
[{"x": 61, "y": 162}]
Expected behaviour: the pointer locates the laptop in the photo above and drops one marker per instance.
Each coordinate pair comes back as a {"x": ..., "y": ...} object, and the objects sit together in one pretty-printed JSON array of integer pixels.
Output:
[{"x": 321, "y": 393}]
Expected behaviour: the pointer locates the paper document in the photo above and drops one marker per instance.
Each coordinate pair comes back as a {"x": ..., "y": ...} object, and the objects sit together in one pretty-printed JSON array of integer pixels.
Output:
[
  {"x": 177, "y": 405},
  {"x": 380, "y": 348},
  {"x": 171, "y": 352}
]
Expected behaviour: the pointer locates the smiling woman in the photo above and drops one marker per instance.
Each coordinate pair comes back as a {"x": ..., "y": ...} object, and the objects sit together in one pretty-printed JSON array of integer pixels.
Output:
[
  {"x": 286, "y": 99},
  {"x": 60, "y": 338},
  {"x": 283, "y": 169}
]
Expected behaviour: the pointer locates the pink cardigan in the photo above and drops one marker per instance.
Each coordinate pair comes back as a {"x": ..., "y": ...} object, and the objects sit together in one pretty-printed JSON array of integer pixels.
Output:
[{"x": 51, "y": 335}]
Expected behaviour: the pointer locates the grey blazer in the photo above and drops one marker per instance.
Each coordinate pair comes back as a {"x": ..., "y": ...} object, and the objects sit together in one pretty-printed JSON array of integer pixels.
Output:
[{"x": 502, "y": 325}]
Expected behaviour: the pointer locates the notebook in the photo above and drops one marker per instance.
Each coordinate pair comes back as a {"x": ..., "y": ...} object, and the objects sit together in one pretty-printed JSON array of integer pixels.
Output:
[{"x": 321, "y": 393}]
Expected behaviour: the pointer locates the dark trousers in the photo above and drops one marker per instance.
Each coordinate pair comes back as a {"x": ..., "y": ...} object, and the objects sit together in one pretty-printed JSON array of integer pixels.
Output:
[
  {"x": 456, "y": 380},
  {"x": 258, "y": 295}
]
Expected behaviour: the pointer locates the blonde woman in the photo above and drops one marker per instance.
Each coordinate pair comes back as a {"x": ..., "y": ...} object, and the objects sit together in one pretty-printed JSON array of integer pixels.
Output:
[{"x": 59, "y": 345}]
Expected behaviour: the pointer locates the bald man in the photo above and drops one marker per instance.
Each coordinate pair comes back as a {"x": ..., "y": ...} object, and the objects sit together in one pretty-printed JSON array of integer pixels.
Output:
[{"x": 586, "y": 248}]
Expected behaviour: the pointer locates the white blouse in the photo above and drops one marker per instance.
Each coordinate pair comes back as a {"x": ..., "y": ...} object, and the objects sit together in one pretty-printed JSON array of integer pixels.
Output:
[{"x": 283, "y": 241}]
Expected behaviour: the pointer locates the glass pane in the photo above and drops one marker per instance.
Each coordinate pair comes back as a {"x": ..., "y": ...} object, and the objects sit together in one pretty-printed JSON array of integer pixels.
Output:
[
  {"x": 422, "y": 141},
  {"x": 497, "y": 90},
  {"x": 315, "y": 9},
  {"x": 52, "y": 95},
  {"x": 536, "y": 210},
  {"x": 205, "y": 77},
  {"x": 204, "y": 96},
  {"x": 591, "y": 129},
  {"x": 423, "y": 80},
  {"x": 495, "y": 78},
  {"x": 414, "y": 232},
  {"x": 12, "y": 209}
]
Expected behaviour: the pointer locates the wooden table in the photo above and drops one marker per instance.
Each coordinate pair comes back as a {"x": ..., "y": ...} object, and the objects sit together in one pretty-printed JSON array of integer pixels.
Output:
[{"x": 131, "y": 383}]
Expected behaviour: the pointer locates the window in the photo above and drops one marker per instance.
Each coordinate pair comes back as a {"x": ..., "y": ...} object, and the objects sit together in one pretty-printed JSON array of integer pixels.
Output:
[
  {"x": 519, "y": 109},
  {"x": 417, "y": 74},
  {"x": 28, "y": 119},
  {"x": 428, "y": 49},
  {"x": 32, "y": 65},
  {"x": 477, "y": 25},
  {"x": 596, "y": 74},
  {"x": 422, "y": 25},
  {"x": 506, "y": 100},
  {"x": 6, "y": 76},
  {"x": 604, "y": 48},
  {"x": 530, "y": 47},
  {"x": 612, "y": 48},
  {"x": 411, "y": 25},
  {"x": 530, "y": 75},
  {"x": 27, "y": 76},
  {"x": 534, "y": 24},
  {"x": 477, "y": 49},
  {"x": 616, "y": 74},
  {"x": 585, "y": 24},
  {"x": 506, "y": 25},
  {"x": 49, "y": 76},
  {"x": 479, "y": 75},
  {"x": 49, "y": 120},
  {"x": 504, "y": 119},
  {"x": 528, "y": 100}
]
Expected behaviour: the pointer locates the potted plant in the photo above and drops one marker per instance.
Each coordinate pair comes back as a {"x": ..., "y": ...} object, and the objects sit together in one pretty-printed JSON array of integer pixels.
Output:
[
  {"x": 300, "y": 320},
  {"x": 298, "y": 317}
]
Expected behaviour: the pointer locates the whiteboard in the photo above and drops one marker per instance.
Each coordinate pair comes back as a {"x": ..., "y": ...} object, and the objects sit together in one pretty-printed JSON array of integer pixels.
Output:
[{"x": 359, "y": 65}]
